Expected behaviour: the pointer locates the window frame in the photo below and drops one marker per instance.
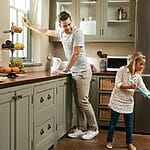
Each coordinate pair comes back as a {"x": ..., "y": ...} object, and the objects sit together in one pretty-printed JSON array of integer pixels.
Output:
[{"x": 26, "y": 12}]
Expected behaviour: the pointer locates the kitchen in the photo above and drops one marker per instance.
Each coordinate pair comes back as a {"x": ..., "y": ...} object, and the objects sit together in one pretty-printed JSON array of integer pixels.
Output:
[{"x": 41, "y": 45}]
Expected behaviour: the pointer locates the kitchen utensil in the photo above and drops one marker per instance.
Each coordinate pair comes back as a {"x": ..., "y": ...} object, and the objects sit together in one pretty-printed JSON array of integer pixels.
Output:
[
  {"x": 121, "y": 14},
  {"x": 104, "y": 55},
  {"x": 99, "y": 53}
]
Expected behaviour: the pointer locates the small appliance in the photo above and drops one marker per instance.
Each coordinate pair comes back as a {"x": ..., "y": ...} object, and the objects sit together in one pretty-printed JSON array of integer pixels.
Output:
[{"x": 113, "y": 63}]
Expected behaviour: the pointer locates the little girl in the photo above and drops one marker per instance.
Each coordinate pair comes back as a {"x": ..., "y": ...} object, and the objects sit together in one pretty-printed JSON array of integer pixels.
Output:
[{"x": 121, "y": 100}]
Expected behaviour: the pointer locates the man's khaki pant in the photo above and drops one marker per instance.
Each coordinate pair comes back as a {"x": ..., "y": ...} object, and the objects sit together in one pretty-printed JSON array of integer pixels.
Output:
[{"x": 85, "y": 115}]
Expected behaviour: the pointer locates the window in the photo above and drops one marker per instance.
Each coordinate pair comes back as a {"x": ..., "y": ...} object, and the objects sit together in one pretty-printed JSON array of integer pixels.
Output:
[{"x": 18, "y": 9}]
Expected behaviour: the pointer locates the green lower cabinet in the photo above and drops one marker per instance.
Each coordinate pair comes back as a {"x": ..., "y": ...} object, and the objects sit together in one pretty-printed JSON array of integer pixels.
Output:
[
  {"x": 63, "y": 106},
  {"x": 44, "y": 118},
  {"x": 93, "y": 94},
  {"x": 52, "y": 112},
  {"x": 7, "y": 121},
  {"x": 16, "y": 118},
  {"x": 24, "y": 119},
  {"x": 35, "y": 116},
  {"x": 100, "y": 92}
]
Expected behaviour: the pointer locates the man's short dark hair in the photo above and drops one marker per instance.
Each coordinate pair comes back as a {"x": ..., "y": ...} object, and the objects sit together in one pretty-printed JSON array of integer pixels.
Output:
[{"x": 63, "y": 16}]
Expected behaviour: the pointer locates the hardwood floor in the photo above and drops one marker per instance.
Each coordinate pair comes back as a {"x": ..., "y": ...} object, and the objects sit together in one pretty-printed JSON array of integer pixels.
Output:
[{"x": 142, "y": 142}]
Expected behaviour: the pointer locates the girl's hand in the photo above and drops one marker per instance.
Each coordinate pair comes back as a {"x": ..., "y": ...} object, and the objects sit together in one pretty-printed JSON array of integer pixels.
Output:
[
  {"x": 132, "y": 86},
  {"x": 128, "y": 86}
]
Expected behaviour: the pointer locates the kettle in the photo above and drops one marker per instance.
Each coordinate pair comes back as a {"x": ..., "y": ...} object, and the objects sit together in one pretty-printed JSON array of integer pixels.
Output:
[{"x": 121, "y": 14}]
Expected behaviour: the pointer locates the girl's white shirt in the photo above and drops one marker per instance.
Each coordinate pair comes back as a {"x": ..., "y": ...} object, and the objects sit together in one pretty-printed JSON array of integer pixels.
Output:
[{"x": 122, "y": 100}]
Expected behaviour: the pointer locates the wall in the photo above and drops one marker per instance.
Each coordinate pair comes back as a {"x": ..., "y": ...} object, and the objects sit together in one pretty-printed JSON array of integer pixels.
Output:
[
  {"x": 4, "y": 25},
  {"x": 41, "y": 46},
  {"x": 92, "y": 48}
]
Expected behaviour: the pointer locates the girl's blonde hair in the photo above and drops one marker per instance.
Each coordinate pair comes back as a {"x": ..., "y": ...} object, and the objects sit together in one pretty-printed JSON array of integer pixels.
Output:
[{"x": 136, "y": 57}]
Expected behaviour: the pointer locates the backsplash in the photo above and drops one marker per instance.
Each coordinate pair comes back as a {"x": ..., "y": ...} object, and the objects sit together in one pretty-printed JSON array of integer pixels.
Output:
[{"x": 92, "y": 48}]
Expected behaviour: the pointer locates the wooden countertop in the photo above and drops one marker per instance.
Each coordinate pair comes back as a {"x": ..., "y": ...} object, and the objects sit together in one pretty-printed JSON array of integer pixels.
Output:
[
  {"x": 30, "y": 77},
  {"x": 38, "y": 76}
]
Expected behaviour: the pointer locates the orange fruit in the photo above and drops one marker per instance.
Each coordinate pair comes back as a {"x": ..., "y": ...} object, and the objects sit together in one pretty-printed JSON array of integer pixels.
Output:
[
  {"x": 15, "y": 69},
  {"x": 7, "y": 69},
  {"x": 1, "y": 68}
]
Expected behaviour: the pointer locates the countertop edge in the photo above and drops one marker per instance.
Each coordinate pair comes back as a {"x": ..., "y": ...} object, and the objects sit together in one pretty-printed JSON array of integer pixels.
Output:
[{"x": 29, "y": 78}]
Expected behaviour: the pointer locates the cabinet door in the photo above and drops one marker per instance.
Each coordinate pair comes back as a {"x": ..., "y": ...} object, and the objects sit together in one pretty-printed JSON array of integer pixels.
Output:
[
  {"x": 93, "y": 94},
  {"x": 98, "y": 18},
  {"x": 7, "y": 121},
  {"x": 24, "y": 119},
  {"x": 68, "y": 101},
  {"x": 87, "y": 18},
  {"x": 61, "y": 107},
  {"x": 119, "y": 20},
  {"x": 57, "y": 6}
]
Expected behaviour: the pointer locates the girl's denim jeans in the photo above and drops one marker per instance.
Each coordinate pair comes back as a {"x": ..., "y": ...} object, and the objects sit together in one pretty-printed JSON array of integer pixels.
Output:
[{"x": 112, "y": 125}]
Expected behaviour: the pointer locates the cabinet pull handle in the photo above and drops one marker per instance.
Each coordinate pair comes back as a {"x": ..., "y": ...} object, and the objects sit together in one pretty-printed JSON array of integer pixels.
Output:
[
  {"x": 49, "y": 126},
  {"x": 130, "y": 35},
  {"x": 14, "y": 98},
  {"x": 102, "y": 32},
  {"x": 19, "y": 96},
  {"x": 51, "y": 147},
  {"x": 41, "y": 131},
  {"x": 41, "y": 100},
  {"x": 49, "y": 97},
  {"x": 93, "y": 80}
]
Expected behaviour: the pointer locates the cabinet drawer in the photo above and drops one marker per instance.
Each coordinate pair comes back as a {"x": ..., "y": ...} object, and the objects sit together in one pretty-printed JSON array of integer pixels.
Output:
[
  {"x": 44, "y": 99},
  {"x": 104, "y": 99},
  {"x": 44, "y": 96},
  {"x": 107, "y": 83},
  {"x": 105, "y": 114},
  {"x": 44, "y": 131}
]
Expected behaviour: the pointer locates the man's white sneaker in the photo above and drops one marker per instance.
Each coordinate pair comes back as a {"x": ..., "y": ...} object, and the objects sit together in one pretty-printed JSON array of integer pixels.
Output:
[
  {"x": 77, "y": 133},
  {"x": 90, "y": 135}
]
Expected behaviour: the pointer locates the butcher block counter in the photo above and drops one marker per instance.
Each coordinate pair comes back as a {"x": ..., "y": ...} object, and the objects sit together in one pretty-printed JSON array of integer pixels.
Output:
[{"x": 30, "y": 77}]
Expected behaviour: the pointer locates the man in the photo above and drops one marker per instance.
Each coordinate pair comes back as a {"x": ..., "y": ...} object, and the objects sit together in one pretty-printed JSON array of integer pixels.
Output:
[{"x": 73, "y": 44}]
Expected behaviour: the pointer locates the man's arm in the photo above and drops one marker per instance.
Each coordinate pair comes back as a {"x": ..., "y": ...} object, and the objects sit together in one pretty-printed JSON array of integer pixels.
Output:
[
  {"x": 39, "y": 30},
  {"x": 73, "y": 58}
]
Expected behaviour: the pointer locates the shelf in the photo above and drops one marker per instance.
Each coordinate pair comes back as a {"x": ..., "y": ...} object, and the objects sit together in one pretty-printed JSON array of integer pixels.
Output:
[
  {"x": 65, "y": 3},
  {"x": 103, "y": 107},
  {"x": 117, "y": 1},
  {"x": 118, "y": 21},
  {"x": 101, "y": 91},
  {"x": 91, "y": 2}
]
